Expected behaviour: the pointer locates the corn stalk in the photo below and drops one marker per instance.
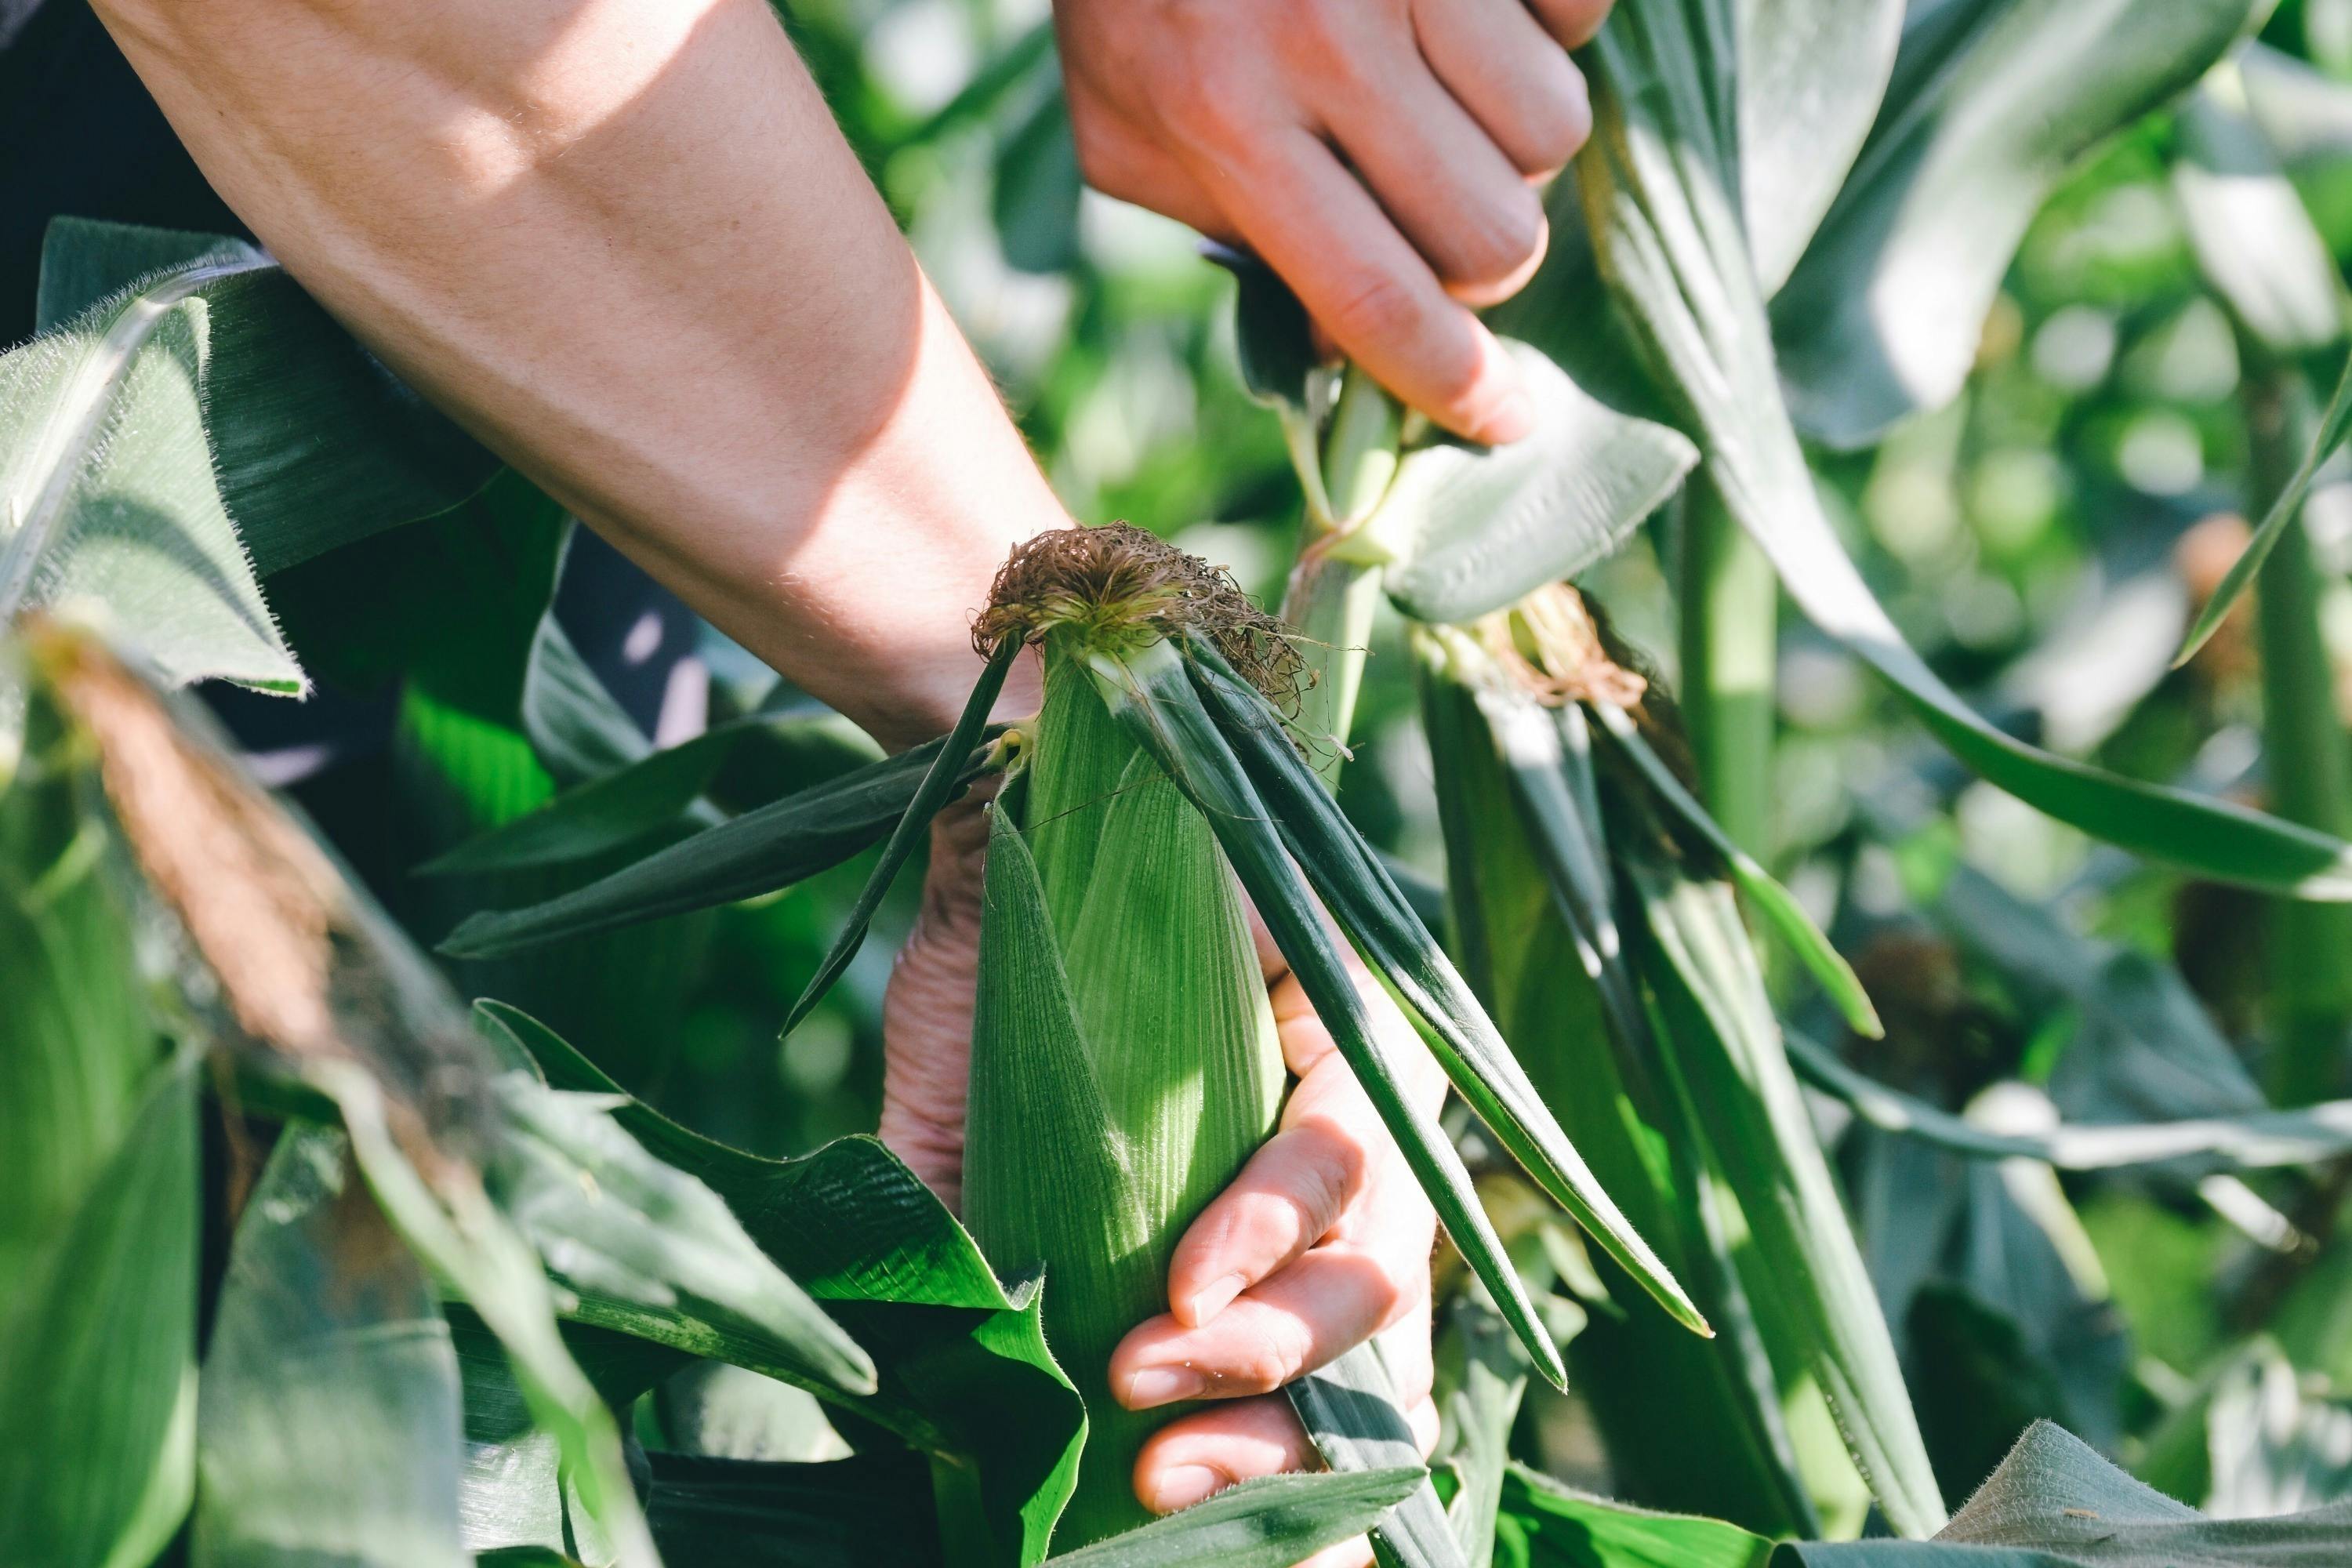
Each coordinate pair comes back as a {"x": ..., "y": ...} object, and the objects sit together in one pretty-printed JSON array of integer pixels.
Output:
[
  {"x": 1730, "y": 604},
  {"x": 2309, "y": 764}
]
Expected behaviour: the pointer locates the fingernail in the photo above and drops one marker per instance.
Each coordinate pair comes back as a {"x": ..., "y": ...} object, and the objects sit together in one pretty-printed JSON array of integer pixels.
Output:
[
  {"x": 1216, "y": 1298},
  {"x": 1157, "y": 1385},
  {"x": 1513, "y": 419},
  {"x": 1184, "y": 1486}
]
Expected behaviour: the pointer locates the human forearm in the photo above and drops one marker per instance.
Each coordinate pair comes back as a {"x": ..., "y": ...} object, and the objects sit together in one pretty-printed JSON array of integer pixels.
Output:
[{"x": 624, "y": 243}]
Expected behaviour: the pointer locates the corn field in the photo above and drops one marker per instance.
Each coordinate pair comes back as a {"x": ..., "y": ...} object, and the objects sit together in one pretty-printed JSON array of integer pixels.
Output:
[{"x": 1857, "y": 806}]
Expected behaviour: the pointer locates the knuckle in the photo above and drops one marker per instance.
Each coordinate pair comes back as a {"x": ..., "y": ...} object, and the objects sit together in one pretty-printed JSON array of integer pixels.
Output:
[
  {"x": 1333, "y": 34},
  {"x": 1206, "y": 105},
  {"x": 1266, "y": 1363},
  {"x": 1374, "y": 308}
]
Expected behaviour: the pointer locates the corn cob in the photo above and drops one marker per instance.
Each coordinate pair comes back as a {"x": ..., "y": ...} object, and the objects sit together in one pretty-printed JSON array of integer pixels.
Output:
[{"x": 1124, "y": 1059}]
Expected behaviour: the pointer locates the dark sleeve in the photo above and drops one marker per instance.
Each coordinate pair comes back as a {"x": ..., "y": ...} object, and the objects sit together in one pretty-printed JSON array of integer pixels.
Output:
[{"x": 78, "y": 134}]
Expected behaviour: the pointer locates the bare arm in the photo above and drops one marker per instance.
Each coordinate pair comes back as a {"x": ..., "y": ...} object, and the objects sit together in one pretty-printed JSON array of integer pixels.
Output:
[{"x": 626, "y": 245}]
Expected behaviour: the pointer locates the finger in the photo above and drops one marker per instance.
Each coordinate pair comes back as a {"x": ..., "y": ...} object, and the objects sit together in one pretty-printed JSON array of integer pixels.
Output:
[
  {"x": 1356, "y": 1552},
  {"x": 1422, "y": 1419},
  {"x": 1405, "y": 1349},
  {"x": 1573, "y": 22},
  {"x": 1516, "y": 80},
  {"x": 1119, "y": 162},
  {"x": 1286, "y": 1200},
  {"x": 1325, "y": 1304},
  {"x": 1315, "y": 226},
  {"x": 1195, "y": 1457},
  {"x": 1464, "y": 204}
]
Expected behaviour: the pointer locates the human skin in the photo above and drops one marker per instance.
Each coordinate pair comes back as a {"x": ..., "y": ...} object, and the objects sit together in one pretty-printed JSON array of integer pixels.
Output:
[
  {"x": 624, "y": 242},
  {"x": 1383, "y": 155}
]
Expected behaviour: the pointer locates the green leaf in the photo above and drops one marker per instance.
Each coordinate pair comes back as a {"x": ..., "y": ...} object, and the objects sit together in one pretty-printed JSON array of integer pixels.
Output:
[
  {"x": 1154, "y": 697},
  {"x": 758, "y": 852},
  {"x": 1271, "y": 1522},
  {"x": 1547, "y": 1525},
  {"x": 1811, "y": 75},
  {"x": 1049, "y": 1184},
  {"x": 647, "y": 1249},
  {"x": 98, "y": 1156},
  {"x": 2334, "y": 426},
  {"x": 2306, "y": 114},
  {"x": 634, "y": 804},
  {"x": 2258, "y": 1141},
  {"x": 1273, "y": 337},
  {"x": 865, "y": 1512},
  {"x": 514, "y": 1493},
  {"x": 1351, "y": 1411},
  {"x": 343, "y": 1007},
  {"x": 1992, "y": 101},
  {"x": 942, "y": 782},
  {"x": 1038, "y": 187},
  {"x": 1778, "y": 907},
  {"x": 97, "y": 1348},
  {"x": 1726, "y": 1054},
  {"x": 2145, "y": 1047},
  {"x": 1654, "y": 183},
  {"x": 965, "y": 1375},
  {"x": 1356, "y": 888},
  {"x": 107, "y": 496},
  {"x": 77, "y": 1044},
  {"x": 577, "y": 728},
  {"x": 328, "y": 1419},
  {"x": 315, "y": 443},
  {"x": 1690, "y": 1424},
  {"x": 2055, "y": 1503},
  {"x": 471, "y": 1245},
  {"x": 1489, "y": 1383},
  {"x": 1477, "y": 529},
  {"x": 2253, "y": 238},
  {"x": 2275, "y": 1438}
]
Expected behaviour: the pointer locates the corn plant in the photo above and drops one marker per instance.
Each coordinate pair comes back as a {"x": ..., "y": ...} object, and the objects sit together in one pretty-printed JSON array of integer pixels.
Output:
[{"x": 475, "y": 1300}]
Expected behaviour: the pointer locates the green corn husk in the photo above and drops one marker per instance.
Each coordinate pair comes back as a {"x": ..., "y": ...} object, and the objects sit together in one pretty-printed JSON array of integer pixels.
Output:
[{"x": 1124, "y": 1060}]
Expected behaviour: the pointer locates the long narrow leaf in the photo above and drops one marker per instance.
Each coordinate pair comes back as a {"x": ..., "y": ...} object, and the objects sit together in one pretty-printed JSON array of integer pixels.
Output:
[
  {"x": 1668, "y": 236},
  {"x": 1777, "y": 906},
  {"x": 2335, "y": 426},
  {"x": 1726, "y": 1051},
  {"x": 1151, "y": 695},
  {"x": 755, "y": 853},
  {"x": 1811, "y": 76},
  {"x": 2260, "y": 1141},
  {"x": 1357, "y": 890},
  {"x": 1267, "y": 1523},
  {"x": 328, "y": 1421},
  {"x": 1349, "y": 1409},
  {"x": 626, "y": 807},
  {"x": 940, "y": 783},
  {"x": 649, "y": 1250},
  {"x": 1992, "y": 102}
]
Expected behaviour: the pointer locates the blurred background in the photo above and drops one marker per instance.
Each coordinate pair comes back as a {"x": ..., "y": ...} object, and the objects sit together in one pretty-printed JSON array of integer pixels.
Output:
[{"x": 2042, "y": 542}]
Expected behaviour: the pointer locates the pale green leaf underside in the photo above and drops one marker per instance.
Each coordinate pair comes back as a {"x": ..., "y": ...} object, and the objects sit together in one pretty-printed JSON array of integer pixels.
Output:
[
  {"x": 1477, "y": 529},
  {"x": 109, "y": 504},
  {"x": 2254, "y": 241},
  {"x": 1992, "y": 102},
  {"x": 327, "y": 1420}
]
